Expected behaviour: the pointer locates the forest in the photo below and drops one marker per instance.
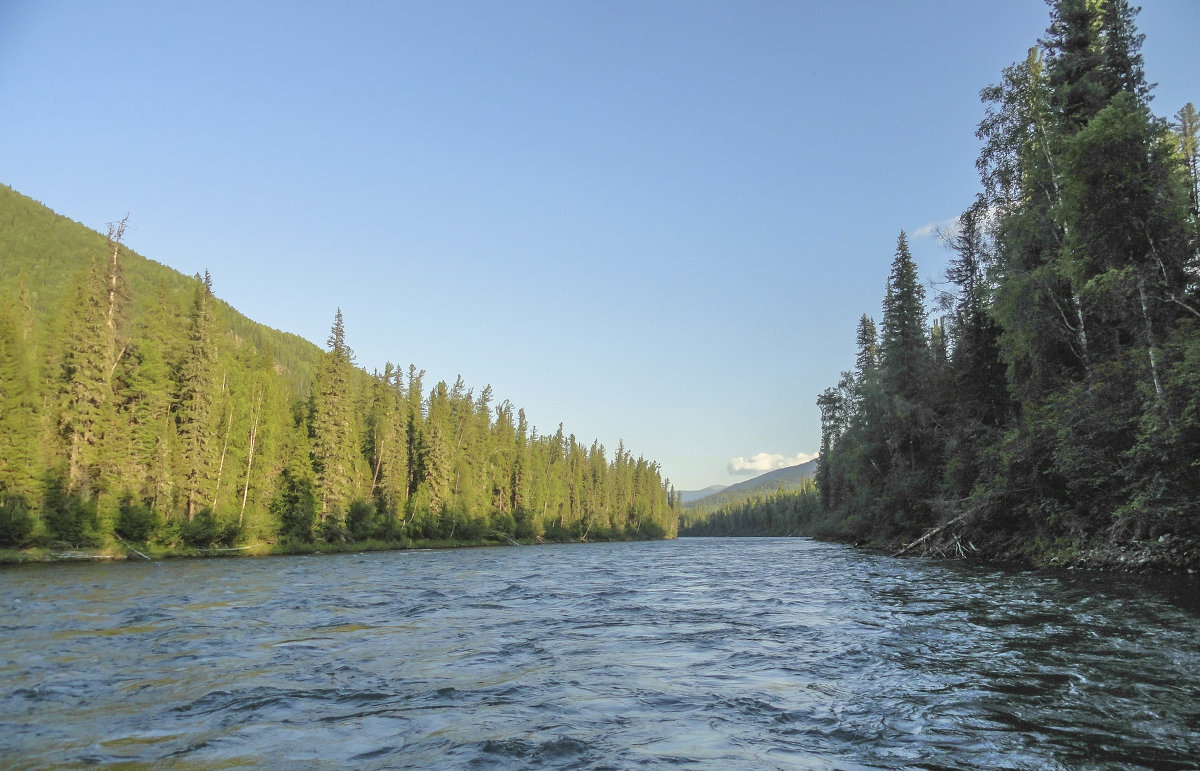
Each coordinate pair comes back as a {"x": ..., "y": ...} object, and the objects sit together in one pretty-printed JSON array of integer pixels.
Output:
[
  {"x": 1045, "y": 402},
  {"x": 781, "y": 513},
  {"x": 138, "y": 408}
]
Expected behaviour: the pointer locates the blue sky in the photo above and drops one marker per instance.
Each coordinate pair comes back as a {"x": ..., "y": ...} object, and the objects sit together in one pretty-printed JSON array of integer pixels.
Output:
[{"x": 656, "y": 222}]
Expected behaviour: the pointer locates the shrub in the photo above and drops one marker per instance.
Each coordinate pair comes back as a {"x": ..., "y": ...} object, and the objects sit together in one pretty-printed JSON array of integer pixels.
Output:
[
  {"x": 16, "y": 523},
  {"x": 362, "y": 522},
  {"x": 136, "y": 521},
  {"x": 202, "y": 530}
]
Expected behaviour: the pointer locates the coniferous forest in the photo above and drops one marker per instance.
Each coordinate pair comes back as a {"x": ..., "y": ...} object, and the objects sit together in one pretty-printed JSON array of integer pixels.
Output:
[
  {"x": 136, "y": 406},
  {"x": 1041, "y": 403},
  {"x": 1045, "y": 402}
]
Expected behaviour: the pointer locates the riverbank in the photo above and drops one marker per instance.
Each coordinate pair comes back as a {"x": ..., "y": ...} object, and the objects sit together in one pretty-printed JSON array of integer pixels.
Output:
[
  {"x": 118, "y": 552},
  {"x": 1167, "y": 554}
]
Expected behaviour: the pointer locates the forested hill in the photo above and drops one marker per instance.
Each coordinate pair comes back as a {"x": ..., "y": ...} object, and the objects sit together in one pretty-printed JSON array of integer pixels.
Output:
[
  {"x": 1050, "y": 406},
  {"x": 786, "y": 479},
  {"x": 42, "y": 254},
  {"x": 136, "y": 405}
]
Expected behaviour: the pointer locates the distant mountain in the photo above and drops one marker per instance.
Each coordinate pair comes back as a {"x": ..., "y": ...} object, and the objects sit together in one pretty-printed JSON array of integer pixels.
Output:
[
  {"x": 788, "y": 478},
  {"x": 686, "y": 496}
]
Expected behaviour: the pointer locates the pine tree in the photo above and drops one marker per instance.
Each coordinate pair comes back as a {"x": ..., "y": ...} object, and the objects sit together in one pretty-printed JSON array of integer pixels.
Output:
[
  {"x": 907, "y": 417},
  {"x": 18, "y": 405},
  {"x": 85, "y": 389},
  {"x": 1187, "y": 130},
  {"x": 867, "y": 357},
  {"x": 904, "y": 348},
  {"x": 331, "y": 428},
  {"x": 1092, "y": 272},
  {"x": 388, "y": 444},
  {"x": 196, "y": 399}
]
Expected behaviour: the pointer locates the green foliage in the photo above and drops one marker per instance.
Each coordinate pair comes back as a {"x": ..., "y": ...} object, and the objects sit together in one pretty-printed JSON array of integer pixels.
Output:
[
  {"x": 133, "y": 402},
  {"x": 783, "y": 513},
  {"x": 19, "y": 407},
  {"x": 202, "y": 530},
  {"x": 1187, "y": 138},
  {"x": 363, "y": 522},
  {"x": 294, "y": 507},
  {"x": 69, "y": 517},
  {"x": 331, "y": 529},
  {"x": 1057, "y": 402},
  {"x": 196, "y": 400},
  {"x": 136, "y": 521},
  {"x": 16, "y": 521},
  {"x": 332, "y": 427}
]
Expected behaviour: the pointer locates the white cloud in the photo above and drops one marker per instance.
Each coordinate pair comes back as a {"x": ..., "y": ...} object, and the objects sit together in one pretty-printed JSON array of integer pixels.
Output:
[
  {"x": 935, "y": 228},
  {"x": 765, "y": 461}
]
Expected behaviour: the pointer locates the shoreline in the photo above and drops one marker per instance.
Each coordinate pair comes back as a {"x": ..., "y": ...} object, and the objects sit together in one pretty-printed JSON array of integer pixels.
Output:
[
  {"x": 139, "y": 552},
  {"x": 1166, "y": 555}
]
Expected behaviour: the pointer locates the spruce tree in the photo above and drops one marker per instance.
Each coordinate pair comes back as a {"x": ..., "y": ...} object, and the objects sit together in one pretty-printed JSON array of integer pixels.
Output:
[
  {"x": 85, "y": 389},
  {"x": 196, "y": 399},
  {"x": 19, "y": 414},
  {"x": 1187, "y": 131},
  {"x": 904, "y": 347},
  {"x": 331, "y": 428}
]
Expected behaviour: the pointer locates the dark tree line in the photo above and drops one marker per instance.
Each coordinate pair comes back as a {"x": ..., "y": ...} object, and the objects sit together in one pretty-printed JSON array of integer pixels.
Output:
[
  {"x": 1056, "y": 398},
  {"x": 781, "y": 513}
]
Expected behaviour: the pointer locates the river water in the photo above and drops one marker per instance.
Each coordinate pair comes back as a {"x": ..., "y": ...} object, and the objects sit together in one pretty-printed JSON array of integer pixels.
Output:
[{"x": 696, "y": 653}]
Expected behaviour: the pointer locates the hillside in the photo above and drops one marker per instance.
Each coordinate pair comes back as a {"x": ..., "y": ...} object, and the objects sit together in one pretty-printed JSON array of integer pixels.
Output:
[
  {"x": 136, "y": 404},
  {"x": 43, "y": 252},
  {"x": 789, "y": 478},
  {"x": 687, "y": 496}
]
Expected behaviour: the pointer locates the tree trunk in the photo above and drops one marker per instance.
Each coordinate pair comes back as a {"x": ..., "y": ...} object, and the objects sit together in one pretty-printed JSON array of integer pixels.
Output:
[
  {"x": 250, "y": 457},
  {"x": 221, "y": 462},
  {"x": 1150, "y": 347}
]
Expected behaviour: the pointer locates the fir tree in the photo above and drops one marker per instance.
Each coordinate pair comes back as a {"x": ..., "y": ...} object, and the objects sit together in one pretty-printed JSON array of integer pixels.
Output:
[
  {"x": 18, "y": 406},
  {"x": 196, "y": 398},
  {"x": 331, "y": 427},
  {"x": 85, "y": 389}
]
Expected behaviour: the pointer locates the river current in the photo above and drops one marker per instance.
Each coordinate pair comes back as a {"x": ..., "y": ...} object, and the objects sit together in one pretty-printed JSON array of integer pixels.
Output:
[{"x": 696, "y": 653}]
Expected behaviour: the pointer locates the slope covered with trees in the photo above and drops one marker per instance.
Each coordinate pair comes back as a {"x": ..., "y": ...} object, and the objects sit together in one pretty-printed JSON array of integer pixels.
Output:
[
  {"x": 780, "y": 480},
  {"x": 792, "y": 511},
  {"x": 135, "y": 404},
  {"x": 1055, "y": 406}
]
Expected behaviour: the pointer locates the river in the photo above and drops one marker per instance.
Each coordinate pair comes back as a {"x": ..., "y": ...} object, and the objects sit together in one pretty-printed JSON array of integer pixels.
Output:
[{"x": 696, "y": 653}]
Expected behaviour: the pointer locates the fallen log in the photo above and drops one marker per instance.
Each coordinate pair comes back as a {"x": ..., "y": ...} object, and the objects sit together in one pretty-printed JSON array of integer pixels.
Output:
[
  {"x": 135, "y": 551},
  {"x": 934, "y": 532}
]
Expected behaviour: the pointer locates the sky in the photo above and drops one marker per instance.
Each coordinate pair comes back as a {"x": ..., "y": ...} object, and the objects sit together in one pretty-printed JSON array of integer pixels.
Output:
[{"x": 656, "y": 222}]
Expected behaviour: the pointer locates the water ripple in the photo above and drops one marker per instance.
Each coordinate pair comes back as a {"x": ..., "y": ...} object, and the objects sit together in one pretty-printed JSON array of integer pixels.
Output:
[{"x": 766, "y": 653}]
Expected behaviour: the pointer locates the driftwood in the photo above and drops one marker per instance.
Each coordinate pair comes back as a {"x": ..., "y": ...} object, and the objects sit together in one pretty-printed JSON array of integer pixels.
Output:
[
  {"x": 232, "y": 548},
  {"x": 506, "y": 537},
  {"x": 935, "y": 531},
  {"x": 135, "y": 551}
]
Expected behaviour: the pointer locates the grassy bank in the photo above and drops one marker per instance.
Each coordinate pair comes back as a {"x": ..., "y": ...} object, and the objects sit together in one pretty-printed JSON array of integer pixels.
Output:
[{"x": 118, "y": 551}]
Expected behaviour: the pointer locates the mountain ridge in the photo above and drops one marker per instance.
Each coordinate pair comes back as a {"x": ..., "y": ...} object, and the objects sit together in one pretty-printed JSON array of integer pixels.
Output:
[{"x": 789, "y": 478}]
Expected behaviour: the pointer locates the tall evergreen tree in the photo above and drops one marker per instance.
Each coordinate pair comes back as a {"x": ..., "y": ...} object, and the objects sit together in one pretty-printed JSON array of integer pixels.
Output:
[
  {"x": 18, "y": 404},
  {"x": 197, "y": 386},
  {"x": 1187, "y": 129},
  {"x": 85, "y": 388},
  {"x": 331, "y": 427},
  {"x": 904, "y": 348}
]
